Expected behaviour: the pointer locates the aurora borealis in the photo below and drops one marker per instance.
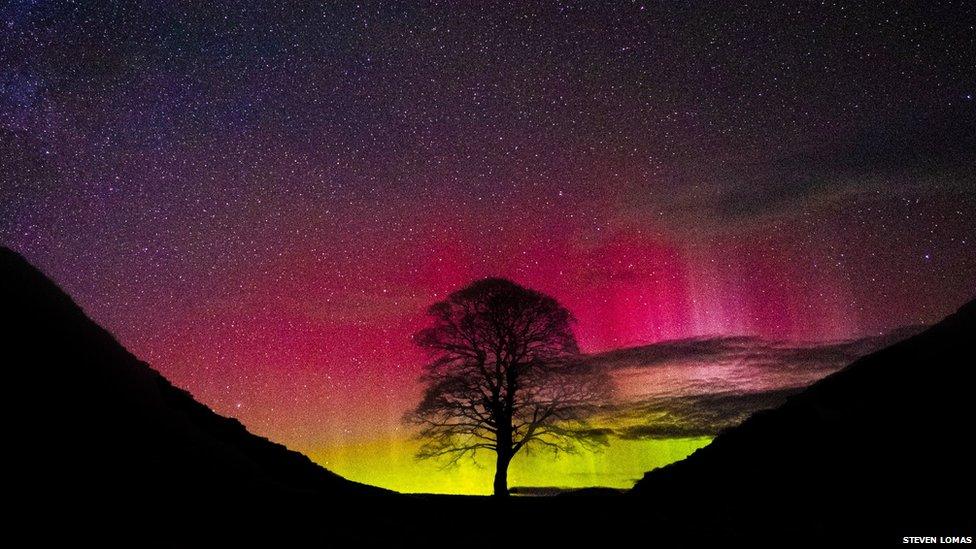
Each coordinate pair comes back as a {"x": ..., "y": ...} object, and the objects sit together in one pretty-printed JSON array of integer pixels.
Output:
[{"x": 260, "y": 199}]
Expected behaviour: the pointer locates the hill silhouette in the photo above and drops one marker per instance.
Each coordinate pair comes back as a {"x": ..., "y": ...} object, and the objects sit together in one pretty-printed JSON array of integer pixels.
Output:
[
  {"x": 99, "y": 430},
  {"x": 881, "y": 449}
]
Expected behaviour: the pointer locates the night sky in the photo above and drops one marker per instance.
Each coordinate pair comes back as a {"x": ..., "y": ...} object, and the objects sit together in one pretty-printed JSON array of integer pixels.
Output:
[{"x": 261, "y": 200}]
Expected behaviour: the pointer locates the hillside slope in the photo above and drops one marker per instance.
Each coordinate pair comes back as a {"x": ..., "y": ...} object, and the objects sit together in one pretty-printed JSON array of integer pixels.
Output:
[
  {"x": 882, "y": 448},
  {"x": 97, "y": 429}
]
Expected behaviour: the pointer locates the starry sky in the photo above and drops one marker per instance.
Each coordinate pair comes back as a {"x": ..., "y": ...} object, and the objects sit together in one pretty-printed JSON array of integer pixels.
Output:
[{"x": 261, "y": 198}]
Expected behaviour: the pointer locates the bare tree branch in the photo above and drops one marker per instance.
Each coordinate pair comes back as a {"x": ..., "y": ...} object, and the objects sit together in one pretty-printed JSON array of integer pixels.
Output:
[{"x": 503, "y": 377}]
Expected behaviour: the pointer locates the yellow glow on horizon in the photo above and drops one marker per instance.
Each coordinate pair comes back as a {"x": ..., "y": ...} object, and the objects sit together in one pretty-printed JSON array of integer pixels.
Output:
[{"x": 391, "y": 464}]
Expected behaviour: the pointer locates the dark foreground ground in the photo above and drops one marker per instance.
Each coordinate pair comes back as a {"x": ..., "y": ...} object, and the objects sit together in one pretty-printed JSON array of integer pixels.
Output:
[{"x": 458, "y": 521}]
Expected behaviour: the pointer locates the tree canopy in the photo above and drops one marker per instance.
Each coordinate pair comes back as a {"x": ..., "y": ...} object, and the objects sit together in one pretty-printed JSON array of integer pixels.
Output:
[{"x": 504, "y": 375}]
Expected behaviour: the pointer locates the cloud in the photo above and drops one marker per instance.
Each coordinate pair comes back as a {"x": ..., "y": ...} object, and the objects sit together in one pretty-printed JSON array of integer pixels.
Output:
[
  {"x": 677, "y": 350},
  {"x": 693, "y": 416},
  {"x": 697, "y": 387},
  {"x": 889, "y": 158},
  {"x": 751, "y": 350}
]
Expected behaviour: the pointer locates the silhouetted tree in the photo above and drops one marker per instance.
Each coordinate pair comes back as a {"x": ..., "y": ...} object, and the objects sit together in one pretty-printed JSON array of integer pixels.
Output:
[{"x": 503, "y": 377}]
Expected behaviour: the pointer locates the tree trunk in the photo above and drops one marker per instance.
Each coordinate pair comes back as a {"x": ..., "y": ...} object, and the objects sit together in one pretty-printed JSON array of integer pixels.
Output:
[
  {"x": 503, "y": 443},
  {"x": 501, "y": 474}
]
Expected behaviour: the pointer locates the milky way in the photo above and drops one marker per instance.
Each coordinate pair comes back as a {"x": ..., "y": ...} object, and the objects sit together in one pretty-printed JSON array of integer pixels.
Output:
[{"x": 261, "y": 200}]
